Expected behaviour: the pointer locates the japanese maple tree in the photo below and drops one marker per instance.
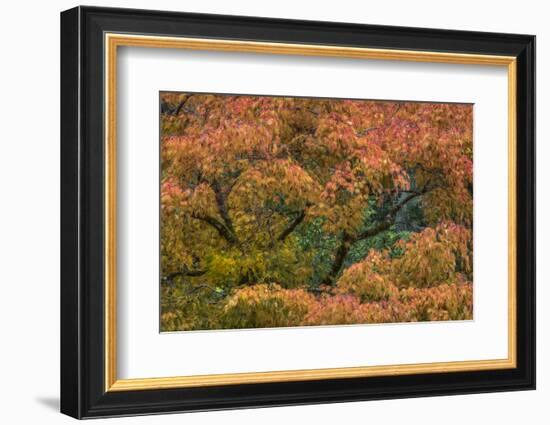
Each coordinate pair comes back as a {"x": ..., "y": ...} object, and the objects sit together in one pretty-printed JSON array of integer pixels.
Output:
[{"x": 279, "y": 211}]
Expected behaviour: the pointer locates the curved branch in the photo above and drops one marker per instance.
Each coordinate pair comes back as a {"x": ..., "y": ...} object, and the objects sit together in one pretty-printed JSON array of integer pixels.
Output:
[
  {"x": 168, "y": 109},
  {"x": 181, "y": 105},
  {"x": 292, "y": 226},
  {"x": 388, "y": 221},
  {"x": 348, "y": 240},
  {"x": 220, "y": 228},
  {"x": 184, "y": 272}
]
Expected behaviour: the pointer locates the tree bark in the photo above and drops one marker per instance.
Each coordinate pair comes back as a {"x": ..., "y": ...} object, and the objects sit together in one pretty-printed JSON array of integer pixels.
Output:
[
  {"x": 293, "y": 224},
  {"x": 220, "y": 228},
  {"x": 184, "y": 272},
  {"x": 347, "y": 240},
  {"x": 339, "y": 257},
  {"x": 221, "y": 202}
]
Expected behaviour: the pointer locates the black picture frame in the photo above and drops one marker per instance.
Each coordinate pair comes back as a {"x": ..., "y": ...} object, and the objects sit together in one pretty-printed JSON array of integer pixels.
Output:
[{"x": 83, "y": 392}]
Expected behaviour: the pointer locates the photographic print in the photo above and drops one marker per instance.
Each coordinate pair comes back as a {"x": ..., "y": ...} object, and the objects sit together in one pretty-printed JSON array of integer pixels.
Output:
[{"x": 290, "y": 211}]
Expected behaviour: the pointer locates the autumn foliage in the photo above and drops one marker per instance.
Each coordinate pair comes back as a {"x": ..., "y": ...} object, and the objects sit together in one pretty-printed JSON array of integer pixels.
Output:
[{"x": 279, "y": 211}]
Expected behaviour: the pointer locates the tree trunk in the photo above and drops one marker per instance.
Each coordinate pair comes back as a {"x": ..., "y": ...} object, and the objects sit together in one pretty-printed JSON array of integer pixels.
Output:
[{"x": 339, "y": 257}]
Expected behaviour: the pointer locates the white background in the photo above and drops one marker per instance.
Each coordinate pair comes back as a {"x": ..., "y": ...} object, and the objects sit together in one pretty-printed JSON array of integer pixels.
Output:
[
  {"x": 29, "y": 225},
  {"x": 256, "y": 350}
]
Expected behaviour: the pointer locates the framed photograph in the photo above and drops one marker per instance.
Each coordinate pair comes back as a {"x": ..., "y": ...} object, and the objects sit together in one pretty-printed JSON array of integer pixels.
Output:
[{"x": 261, "y": 212}]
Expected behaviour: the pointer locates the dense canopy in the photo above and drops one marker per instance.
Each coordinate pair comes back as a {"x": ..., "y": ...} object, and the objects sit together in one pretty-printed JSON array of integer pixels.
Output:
[{"x": 279, "y": 211}]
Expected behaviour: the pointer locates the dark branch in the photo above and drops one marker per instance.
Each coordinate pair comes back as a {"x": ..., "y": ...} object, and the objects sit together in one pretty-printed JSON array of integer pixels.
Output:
[
  {"x": 224, "y": 228},
  {"x": 181, "y": 105},
  {"x": 184, "y": 272},
  {"x": 348, "y": 240},
  {"x": 168, "y": 109},
  {"x": 221, "y": 203},
  {"x": 292, "y": 226},
  {"x": 220, "y": 228},
  {"x": 388, "y": 221},
  {"x": 339, "y": 257}
]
